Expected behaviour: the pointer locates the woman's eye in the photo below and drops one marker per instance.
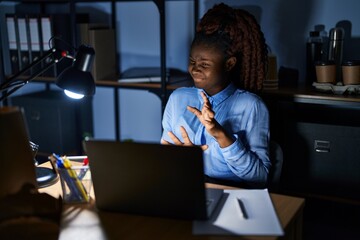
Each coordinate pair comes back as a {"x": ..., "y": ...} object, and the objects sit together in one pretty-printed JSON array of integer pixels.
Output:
[{"x": 202, "y": 65}]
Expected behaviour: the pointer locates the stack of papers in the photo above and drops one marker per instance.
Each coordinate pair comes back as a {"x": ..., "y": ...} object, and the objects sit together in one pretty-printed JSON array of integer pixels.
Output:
[
  {"x": 152, "y": 75},
  {"x": 255, "y": 216},
  {"x": 272, "y": 84}
]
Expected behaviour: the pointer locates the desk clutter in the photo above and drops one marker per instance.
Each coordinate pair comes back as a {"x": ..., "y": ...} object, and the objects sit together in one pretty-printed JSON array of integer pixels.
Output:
[
  {"x": 75, "y": 178},
  {"x": 342, "y": 80},
  {"x": 242, "y": 212}
]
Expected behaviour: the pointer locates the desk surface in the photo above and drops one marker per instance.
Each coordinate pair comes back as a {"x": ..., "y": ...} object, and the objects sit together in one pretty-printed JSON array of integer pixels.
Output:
[{"x": 84, "y": 222}]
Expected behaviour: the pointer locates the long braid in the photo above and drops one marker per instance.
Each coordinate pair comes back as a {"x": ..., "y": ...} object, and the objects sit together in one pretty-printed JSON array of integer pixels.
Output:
[
  {"x": 258, "y": 51},
  {"x": 237, "y": 33}
]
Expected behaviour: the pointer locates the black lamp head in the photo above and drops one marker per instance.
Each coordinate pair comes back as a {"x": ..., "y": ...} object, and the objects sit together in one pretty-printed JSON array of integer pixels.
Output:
[{"x": 77, "y": 79}]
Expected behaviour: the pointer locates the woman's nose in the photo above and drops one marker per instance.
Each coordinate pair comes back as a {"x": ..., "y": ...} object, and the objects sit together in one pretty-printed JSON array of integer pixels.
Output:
[{"x": 195, "y": 67}]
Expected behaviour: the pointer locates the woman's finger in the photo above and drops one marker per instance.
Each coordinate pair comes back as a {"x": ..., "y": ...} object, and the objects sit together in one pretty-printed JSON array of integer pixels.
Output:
[
  {"x": 174, "y": 138},
  {"x": 185, "y": 136},
  {"x": 165, "y": 142}
]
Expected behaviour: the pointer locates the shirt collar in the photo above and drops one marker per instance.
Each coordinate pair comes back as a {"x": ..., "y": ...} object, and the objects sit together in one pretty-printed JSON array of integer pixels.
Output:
[{"x": 220, "y": 96}]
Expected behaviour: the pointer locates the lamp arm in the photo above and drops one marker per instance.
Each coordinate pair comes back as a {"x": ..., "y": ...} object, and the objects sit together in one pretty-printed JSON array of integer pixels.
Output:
[{"x": 15, "y": 83}]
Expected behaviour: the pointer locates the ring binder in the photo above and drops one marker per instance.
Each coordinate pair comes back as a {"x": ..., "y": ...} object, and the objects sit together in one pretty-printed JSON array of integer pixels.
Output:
[
  {"x": 45, "y": 36},
  {"x": 13, "y": 45},
  {"x": 33, "y": 29},
  {"x": 24, "y": 45}
]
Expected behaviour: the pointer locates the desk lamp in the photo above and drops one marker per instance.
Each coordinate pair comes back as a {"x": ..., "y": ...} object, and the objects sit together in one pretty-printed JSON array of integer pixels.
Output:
[{"x": 76, "y": 81}]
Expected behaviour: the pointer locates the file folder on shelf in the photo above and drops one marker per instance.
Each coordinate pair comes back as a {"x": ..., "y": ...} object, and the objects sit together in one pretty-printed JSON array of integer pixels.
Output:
[
  {"x": 13, "y": 43},
  {"x": 24, "y": 41},
  {"x": 35, "y": 50},
  {"x": 103, "y": 41},
  {"x": 45, "y": 36}
]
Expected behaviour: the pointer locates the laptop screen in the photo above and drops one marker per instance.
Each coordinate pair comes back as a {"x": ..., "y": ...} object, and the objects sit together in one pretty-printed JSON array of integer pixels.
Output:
[{"x": 148, "y": 179}]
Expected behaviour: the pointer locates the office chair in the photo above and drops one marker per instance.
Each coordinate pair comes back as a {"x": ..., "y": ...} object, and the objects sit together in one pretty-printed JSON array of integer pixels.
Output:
[
  {"x": 276, "y": 158},
  {"x": 273, "y": 184}
]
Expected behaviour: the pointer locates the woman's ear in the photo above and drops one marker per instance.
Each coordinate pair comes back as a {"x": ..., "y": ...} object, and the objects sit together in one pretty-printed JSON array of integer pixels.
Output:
[{"x": 230, "y": 63}]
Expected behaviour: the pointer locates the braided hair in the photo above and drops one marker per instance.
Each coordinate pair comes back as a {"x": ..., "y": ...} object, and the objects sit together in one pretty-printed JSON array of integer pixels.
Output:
[{"x": 236, "y": 33}]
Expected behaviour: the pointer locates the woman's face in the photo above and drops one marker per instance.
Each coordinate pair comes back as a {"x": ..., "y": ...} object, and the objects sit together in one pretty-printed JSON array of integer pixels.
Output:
[{"x": 208, "y": 68}]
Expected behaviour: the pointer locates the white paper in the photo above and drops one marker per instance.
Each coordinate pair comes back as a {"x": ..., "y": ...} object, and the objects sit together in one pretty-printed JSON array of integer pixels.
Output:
[{"x": 228, "y": 220}]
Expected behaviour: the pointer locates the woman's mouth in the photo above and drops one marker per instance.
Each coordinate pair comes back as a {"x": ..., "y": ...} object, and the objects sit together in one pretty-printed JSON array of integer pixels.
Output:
[{"x": 197, "y": 78}]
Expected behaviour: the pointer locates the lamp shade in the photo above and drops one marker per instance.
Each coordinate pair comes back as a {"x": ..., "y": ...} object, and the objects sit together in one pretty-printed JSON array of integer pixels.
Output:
[{"x": 78, "y": 78}]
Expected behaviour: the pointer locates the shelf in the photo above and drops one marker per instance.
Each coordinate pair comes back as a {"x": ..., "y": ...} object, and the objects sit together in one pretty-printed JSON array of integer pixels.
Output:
[
  {"x": 311, "y": 96},
  {"x": 162, "y": 89},
  {"x": 115, "y": 84}
]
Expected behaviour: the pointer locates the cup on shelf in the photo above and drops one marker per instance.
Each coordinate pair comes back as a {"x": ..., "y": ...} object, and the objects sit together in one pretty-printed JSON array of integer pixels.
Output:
[
  {"x": 351, "y": 72},
  {"x": 325, "y": 72}
]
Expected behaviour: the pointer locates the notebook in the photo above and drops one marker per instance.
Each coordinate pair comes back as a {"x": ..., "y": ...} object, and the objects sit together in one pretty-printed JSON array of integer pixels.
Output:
[{"x": 150, "y": 179}]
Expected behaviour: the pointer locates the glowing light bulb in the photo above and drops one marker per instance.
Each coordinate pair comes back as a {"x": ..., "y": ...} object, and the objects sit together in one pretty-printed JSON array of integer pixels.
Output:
[{"x": 73, "y": 95}]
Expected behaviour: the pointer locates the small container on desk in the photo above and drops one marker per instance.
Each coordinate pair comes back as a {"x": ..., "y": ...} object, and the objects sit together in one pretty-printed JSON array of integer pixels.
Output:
[{"x": 76, "y": 182}]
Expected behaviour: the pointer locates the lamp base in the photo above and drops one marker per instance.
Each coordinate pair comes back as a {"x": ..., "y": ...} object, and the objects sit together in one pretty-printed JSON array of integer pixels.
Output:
[{"x": 45, "y": 176}]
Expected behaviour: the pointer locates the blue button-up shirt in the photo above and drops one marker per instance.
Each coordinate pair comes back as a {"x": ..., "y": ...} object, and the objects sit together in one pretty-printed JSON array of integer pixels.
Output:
[{"x": 242, "y": 114}]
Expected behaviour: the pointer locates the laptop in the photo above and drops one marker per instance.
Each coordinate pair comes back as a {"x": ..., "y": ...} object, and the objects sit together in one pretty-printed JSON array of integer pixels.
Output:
[{"x": 150, "y": 179}]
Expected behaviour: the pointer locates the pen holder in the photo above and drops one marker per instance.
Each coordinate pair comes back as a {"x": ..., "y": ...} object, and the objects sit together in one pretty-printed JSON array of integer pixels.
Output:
[{"x": 76, "y": 184}]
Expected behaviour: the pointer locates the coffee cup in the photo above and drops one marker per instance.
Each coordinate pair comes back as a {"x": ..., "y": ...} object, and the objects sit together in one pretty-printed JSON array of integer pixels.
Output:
[
  {"x": 325, "y": 72},
  {"x": 351, "y": 72}
]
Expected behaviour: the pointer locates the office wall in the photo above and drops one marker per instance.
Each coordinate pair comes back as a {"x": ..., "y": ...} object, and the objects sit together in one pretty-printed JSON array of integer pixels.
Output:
[
  {"x": 285, "y": 23},
  {"x": 138, "y": 35}
]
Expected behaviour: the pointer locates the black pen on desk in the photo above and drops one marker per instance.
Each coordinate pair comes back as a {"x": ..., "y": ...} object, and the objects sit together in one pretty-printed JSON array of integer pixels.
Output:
[{"x": 241, "y": 207}]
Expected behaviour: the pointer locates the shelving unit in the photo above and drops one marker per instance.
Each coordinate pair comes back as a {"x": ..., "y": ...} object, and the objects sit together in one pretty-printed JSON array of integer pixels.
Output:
[{"x": 162, "y": 90}]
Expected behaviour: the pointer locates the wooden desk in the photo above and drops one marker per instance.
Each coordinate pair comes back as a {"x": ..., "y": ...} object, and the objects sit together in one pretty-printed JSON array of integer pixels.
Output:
[{"x": 85, "y": 222}]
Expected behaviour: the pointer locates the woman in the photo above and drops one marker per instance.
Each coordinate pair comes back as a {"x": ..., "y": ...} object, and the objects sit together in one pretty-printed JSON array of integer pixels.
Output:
[{"x": 228, "y": 55}]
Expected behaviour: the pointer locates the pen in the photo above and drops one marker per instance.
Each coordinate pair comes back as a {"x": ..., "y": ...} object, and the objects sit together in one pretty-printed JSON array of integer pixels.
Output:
[
  {"x": 59, "y": 160},
  {"x": 74, "y": 192},
  {"x": 85, "y": 159},
  {"x": 83, "y": 171},
  {"x": 241, "y": 207},
  {"x": 76, "y": 157}
]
